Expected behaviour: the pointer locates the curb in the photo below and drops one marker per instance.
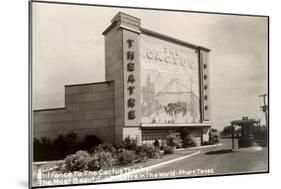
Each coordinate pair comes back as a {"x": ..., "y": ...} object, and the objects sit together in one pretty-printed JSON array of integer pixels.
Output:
[
  {"x": 198, "y": 147},
  {"x": 207, "y": 146},
  {"x": 125, "y": 175}
]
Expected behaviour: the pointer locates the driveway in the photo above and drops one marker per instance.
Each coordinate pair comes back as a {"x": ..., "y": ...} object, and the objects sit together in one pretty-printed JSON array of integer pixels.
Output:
[{"x": 213, "y": 160}]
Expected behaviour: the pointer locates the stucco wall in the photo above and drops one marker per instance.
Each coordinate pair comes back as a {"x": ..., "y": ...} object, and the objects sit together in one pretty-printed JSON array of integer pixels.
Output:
[
  {"x": 114, "y": 71},
  {"x": 89, "y": 110}
]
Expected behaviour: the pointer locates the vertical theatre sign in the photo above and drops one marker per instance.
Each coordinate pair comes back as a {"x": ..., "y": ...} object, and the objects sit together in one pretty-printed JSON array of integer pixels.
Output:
[
  {"x": 131, "y": 102},
  {"x": 131, "y": 78}
]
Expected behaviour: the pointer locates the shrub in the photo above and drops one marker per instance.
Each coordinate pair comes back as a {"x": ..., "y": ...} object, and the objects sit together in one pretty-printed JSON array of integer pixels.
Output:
[
  {"x": 141, "y": 154},
  {"x": 152, "y": 152},
  {"x": 82, "y": 160},
  {"x": 43, "y": 149},
  {"x": 89, "y": 142},
  {"x": 187, "y": 139},
  {"x": 213, "y": 140},
  {"x": 76, "y": 162},
  {"x": 106, "y": 148},
  {"x": 156, "y": 143},
  {"x": 100, "y": 160},
  {"x": 168, "y": 150},
  {"x": 70, "y": 141},
  {"x": 65, "y": 144},
  {"x": 36, "y": 149},
  {"x": 173, "y": 140},
  {"x": 129, "y": 143},
  {"x": 60, "y": 147},
  {"x": 147, "y": 151},
  {"x": 260, "y": 135},
  {"x": 205, "y": 143},
  {"x": 184, "y": 133},
  {"x": 126, "y": 157}
]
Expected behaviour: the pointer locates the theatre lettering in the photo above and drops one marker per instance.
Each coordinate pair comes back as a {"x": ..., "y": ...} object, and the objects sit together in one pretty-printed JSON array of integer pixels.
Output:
[
  {"x": 170, "y": 56},
  {"x": 131, "y": 102}
]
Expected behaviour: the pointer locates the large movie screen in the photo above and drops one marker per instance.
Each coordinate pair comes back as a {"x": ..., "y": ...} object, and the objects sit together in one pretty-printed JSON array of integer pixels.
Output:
[{"x": 169, "y": 82}]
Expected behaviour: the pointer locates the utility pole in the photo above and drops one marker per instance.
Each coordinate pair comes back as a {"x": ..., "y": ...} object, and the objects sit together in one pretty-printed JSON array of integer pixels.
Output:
[{"x": 264, "y": 108}]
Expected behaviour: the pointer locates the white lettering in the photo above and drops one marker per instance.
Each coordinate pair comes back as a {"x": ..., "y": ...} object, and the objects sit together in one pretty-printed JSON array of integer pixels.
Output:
[{"x": 169, "y": 55}]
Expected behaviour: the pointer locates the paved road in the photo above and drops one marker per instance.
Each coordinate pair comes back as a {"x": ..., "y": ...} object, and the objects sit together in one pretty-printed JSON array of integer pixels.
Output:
[{"x": 214, "y": 160}]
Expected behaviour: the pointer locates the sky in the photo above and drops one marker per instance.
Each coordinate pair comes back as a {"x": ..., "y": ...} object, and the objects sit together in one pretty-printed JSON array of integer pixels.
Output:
[{"x": 68, "y": 48}]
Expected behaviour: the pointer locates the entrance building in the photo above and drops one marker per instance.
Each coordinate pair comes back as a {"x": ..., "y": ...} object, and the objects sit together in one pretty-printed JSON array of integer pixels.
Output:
[{"x": 155, "y": 84}]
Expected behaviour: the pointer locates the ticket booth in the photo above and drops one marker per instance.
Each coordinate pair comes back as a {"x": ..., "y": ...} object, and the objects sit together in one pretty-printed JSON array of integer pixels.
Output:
[{"x": 246, "y": 138}]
